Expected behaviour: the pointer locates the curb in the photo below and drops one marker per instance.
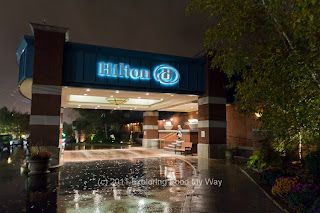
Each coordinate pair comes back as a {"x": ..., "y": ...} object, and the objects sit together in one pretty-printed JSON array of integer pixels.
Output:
[
  {"x": 266, "y": 193},
  {"x": 188, "y": 197}
]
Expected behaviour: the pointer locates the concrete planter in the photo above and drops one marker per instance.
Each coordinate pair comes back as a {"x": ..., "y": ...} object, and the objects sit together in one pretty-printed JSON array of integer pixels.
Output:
[
  {"x": 38, "y": 182},
  {"x": 154, "y": 143},
  {"x": 37, "y": 167},
  {"x": 168, "y": 127},
  {"x": 193, "y": 125},
  {"x": 229, "y": 154}
]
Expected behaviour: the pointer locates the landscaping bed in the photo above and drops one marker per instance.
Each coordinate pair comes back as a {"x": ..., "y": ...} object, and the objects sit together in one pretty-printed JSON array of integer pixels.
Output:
[{"x": 294, "y": 186}]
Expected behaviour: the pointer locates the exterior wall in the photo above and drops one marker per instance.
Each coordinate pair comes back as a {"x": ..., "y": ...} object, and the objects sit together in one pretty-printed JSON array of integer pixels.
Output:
[
  {"x": 180, "y": 118},
  {"x": 240, "y": 132}
]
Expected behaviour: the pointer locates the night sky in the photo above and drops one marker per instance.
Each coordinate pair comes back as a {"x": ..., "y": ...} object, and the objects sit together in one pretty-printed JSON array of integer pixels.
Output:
[{"x": 159, "y": 26}]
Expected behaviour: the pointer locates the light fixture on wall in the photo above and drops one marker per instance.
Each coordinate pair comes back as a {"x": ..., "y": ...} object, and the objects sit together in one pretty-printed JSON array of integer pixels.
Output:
[
  {"x": 193, "y": 123},
  {"x": 258, "y": 114},
  {"x": 117, "y": 101}
]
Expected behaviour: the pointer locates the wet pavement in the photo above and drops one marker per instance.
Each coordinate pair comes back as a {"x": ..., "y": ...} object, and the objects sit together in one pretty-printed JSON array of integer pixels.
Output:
[
  {"x": 113, "y": 154},
  {"x": 129, "y": 180},
  {"x": 92, "y": 146}
]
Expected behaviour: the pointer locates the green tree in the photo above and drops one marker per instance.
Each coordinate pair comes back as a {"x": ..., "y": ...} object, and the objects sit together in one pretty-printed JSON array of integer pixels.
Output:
[
  {"x": 106, "y": 121},
  {"x": 13, "y": 122},
  {"x": 67, "y": 129},
  {"x": 274, "y": 46}
]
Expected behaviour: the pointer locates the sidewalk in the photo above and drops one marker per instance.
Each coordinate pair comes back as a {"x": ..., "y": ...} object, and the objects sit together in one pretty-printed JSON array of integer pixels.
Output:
[{"x": 236, "y": 194}]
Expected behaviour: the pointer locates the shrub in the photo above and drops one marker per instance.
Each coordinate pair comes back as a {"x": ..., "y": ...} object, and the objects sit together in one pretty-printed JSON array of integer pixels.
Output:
[
  {"x": 42, "y": 155},
  {"x": 269, "y": 176},
  {"x": 257, "y": 161},
  {"x": 283, "y": 185},
  {"x": 268, "y": 156},
  {"x": 313, "y": 163},
  {"x": 304, "y": 197}
]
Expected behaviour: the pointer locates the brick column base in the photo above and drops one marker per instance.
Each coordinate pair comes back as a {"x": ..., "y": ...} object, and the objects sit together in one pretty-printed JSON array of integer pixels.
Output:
[
  {"x": 150, "y": 128},
  {"x": 212, "y": 127}
]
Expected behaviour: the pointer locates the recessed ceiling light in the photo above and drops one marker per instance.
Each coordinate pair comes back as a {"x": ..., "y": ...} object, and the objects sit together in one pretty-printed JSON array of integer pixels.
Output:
[
  {"x": 161, "y": 99},
  {"x": 163, "y": 120},
  {"x": 130, "y": 109},
  {"x": 115, "y": 108},
  {"x": 117, "y": 91},
  {"x": 171, "y": 119},
  {"x": 191, "y": 107},
  {"x": 118, "y": 107},
  {"x": 79, "y": 105},
  {"x": 147, "y": 93},
  {"x": 85, "y": 94},
  {"x": 88, "y": 90},
  {"x": 111, "y": 96},
  {"x": 98, "y": 106},
  {"x": 172, "y": 95},
  {"x": 139, "y": 97}
]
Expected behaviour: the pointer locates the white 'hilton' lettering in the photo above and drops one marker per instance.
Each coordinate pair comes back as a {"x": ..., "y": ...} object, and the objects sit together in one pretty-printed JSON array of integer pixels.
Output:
[{"x": 121, "y": 70}]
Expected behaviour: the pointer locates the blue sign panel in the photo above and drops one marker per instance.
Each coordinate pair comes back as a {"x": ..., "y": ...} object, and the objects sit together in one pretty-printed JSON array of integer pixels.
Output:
[{"x": 111, "y": 68}]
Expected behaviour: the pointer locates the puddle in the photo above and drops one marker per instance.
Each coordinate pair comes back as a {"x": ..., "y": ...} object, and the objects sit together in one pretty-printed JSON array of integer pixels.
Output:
[{"x": 126, "y": 185}]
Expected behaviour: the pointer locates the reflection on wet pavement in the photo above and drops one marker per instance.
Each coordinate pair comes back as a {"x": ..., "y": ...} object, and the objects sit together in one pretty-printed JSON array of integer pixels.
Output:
[
  {"x": 132, "y": 180},
  {"x": 126, "y": 185},
  {"x": 137, "y": 185},
  {"x": 113, "y": 154}
]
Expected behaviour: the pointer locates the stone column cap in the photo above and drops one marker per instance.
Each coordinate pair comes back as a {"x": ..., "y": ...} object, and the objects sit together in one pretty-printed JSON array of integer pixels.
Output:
[{"x": 50, "y": 28}]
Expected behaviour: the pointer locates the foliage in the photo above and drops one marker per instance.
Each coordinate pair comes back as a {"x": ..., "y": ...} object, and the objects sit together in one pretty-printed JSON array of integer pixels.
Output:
[
  {"x": 313, "y": 163},
  {"x": 267, "y": 157},
  {"x": 100, "y": 137},
  {"x": 304, "y": 197},
  {"x": 274, "y": 46},
  {"x": 103, "y": 123},
  {"x": 257, "y": 161},
  {"x": 269, "y": 176},
  {"x": 67, "y": 129},
  {"x": 41, "y": 155},
  {"x": 283, "y": 185},
  {"x": 13, "y": 122}
]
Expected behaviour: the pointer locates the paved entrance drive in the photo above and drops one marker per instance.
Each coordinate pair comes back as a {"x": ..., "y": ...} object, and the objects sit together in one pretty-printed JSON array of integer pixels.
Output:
[{"x": 215, "y": 185}]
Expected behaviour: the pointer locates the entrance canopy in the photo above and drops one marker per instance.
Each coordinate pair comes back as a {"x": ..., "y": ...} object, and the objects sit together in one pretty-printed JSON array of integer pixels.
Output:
[{"x": 110, "y": 78}]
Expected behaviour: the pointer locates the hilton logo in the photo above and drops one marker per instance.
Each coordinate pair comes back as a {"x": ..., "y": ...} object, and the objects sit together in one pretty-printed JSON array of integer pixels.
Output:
[{"x": 165, "y": 74}]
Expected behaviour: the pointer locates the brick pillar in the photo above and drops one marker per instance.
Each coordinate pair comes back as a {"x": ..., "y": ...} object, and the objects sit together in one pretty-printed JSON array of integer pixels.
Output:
[
  {"x": 46, "y": 88},
  {"x": 150, "y": 128},
  {"x": 212, "y": 116}
]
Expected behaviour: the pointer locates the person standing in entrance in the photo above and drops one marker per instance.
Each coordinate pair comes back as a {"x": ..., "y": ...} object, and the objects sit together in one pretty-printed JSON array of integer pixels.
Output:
[
  {"x": 179, "y": 132},
  {"x": 179, "y": 135}
]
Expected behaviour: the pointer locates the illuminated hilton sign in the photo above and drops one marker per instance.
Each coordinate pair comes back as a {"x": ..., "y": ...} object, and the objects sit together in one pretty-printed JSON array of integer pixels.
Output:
[{"x": 165, "y": 74}]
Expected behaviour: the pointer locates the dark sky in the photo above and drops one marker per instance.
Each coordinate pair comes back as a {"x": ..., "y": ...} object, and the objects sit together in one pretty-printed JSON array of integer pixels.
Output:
[{"x": 159, "y": 26}]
